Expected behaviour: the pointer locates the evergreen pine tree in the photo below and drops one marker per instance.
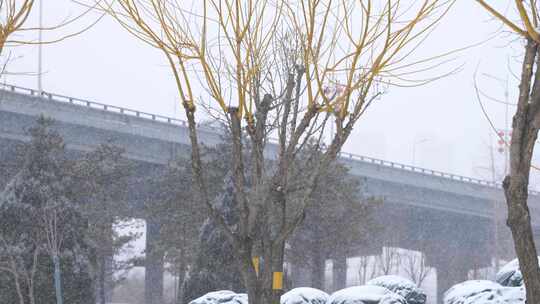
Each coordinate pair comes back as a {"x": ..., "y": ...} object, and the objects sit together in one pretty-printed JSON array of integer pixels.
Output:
[{"x": 42, "y": 222}]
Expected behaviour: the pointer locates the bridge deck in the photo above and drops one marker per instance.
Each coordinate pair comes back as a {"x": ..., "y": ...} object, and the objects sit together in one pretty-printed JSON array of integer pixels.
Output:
[{"x": 156, "y": 139}]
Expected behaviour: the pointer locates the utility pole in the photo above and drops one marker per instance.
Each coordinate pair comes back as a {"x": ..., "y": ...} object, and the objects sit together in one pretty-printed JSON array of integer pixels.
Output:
[
  {"x": 507, "y": 137},
  {"x": 507, "y": 127},
  {"x": 40, "y": 49},
  {"x": 504, "y": 137},
  {"x": 332, "y": 91},
  {"x": 417, "y": 142},
  {"x": 496, "y": 212}
]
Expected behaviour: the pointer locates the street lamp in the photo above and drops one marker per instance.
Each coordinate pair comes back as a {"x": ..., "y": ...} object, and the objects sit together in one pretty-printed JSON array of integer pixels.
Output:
[
  {"x": 40, "y": 48},
  {"x": 417, "y": 142}
]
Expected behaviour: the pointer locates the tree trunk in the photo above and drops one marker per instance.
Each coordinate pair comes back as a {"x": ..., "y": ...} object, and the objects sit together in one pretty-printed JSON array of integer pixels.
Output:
[
  {"x": 277, "y": 268},
  {"x": 57, "y": 279},
  {"x": 105, "y": 256},
  {"x": 253, "y": 292},
  {"x": 32, "y": 276},
  {"x": 519, "y": 222},
  {"x": 524, "y": 134},
  {"x": 267, "y": 287},
  {"x": 17, "y": 285},
  {"x": 272, "y": 278},
  {"x": 249, "y": 275},
  {"x": 101, "y": 279}
]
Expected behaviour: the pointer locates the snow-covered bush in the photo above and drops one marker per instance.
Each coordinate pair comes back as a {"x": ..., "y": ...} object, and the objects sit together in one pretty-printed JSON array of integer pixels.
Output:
[
  {"x": 462, "y": 291},
  {"x": 305, "y": 295},
  {"x": 222, "y": 297},
  {"x": 366, "y": 295},
  {"x": 402, "y": 287},
  {"x": 484, "y": 292},
  {"x": 510, "y": 275},
  {"x": 506, "y": 295}
]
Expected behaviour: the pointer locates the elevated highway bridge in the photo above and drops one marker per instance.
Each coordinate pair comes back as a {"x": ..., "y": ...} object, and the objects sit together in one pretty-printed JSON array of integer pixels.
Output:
[{"x": 452, "y": 214}]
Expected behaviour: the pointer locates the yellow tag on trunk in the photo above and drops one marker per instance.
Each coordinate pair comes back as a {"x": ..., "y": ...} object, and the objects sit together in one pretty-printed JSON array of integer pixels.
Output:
[
  {"x": 255, "y": 261},
  {"x": 277, "y": 283}
]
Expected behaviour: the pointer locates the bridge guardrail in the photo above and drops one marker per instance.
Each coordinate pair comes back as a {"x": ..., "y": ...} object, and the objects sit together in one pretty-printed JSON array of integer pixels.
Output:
[
  {"x": 180, "y": 122},
  {"x": 405, "y": 167},
  {"x": 94, "y": 105}
]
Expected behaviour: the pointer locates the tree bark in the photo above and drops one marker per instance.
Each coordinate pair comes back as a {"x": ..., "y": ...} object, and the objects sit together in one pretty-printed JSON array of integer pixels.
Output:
[
  {"x": 524, "y": 134},
  {"x": 249, "y": 276},
  {"x": 272, "y": 271},
  {"x": 277, "y": 267},
  {"x": 519, "y": 222}
]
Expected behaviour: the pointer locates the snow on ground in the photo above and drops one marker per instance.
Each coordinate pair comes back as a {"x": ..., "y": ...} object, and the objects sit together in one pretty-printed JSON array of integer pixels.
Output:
[
  {"x": 402, "y": 287},
  {"x": 305, "y": 295},
  {"x": 484, "y": 292}
]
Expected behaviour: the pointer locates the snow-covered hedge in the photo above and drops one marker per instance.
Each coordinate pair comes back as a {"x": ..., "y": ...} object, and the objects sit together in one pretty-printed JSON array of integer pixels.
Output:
[
  {"x": 508, "y": 289},
  {"x": 381, "y": 290},
  {"x": 484, "y": 292},
  {"x": 401, "y": 286},
  {"x": 222, "y": 297},
  {"x": 366, "y": 295},
  {"x": 510, "y": 275},
  {"x": 304, "y": 295}
]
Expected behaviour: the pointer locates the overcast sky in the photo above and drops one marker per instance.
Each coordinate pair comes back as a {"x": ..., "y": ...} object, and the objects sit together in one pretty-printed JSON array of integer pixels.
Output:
[{"x": 443, "y": 118}]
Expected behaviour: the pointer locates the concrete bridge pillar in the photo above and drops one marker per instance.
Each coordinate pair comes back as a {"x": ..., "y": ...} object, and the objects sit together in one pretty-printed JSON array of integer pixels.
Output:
[
  {"x": 449, "y": 274},
  {"x": 318, "y": 268},
  {"x": 153, "y": 279},
  {"x": 339, "y": 272},
  {"x": 300, "y": 276}
]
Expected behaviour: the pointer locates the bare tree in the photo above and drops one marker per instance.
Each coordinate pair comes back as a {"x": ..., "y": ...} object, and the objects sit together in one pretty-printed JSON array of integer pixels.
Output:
[
  {"x": 415, "y": 266},
  {"x": 367, "y": 269},
  {"x": 15, "y": 28},
  {"x": 12, "y": 261},
  {"x": 525, "y": 126},
  {"x": 389, "y": 261},
  {"x": 14, "y": 15},
  {"x": 284, "y": 69},
  {"x": 50, "y": 220}
]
